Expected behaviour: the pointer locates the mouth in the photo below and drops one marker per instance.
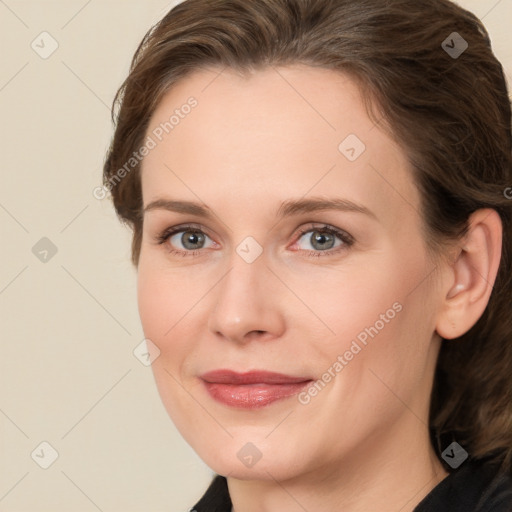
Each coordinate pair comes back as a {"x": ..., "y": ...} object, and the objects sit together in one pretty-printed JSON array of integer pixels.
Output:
[{"x": 251, "y": 390}]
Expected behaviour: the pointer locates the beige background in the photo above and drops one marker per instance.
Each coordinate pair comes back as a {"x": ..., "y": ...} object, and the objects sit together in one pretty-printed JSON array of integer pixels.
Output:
[{"x": 68, "y": 375}]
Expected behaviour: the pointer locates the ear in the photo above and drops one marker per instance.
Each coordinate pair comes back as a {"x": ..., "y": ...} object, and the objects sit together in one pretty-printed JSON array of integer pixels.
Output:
[{"x": 468, "y": 282}]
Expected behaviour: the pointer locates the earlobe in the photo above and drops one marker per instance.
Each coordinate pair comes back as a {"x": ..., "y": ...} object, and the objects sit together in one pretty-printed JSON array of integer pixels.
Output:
[{"x": 470, "y": 278}]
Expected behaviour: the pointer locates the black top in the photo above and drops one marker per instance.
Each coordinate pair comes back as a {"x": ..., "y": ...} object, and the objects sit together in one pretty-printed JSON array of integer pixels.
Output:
[{"x": 476, "y": 486}]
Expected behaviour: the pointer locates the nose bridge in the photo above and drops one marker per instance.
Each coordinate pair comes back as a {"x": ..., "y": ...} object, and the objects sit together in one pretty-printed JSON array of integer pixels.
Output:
[
  {"x": 247, "y": 272},
  {"x": 244, "y": 301}
]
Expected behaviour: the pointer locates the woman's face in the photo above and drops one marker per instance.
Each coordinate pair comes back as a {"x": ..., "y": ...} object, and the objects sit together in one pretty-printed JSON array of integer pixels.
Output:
[{"x": 251, "y": 281}]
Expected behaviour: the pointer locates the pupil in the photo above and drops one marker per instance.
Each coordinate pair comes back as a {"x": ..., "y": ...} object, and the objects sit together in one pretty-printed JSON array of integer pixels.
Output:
[
  {"x": 191, "y": 239},
  {"x": 321, "y": 238}
]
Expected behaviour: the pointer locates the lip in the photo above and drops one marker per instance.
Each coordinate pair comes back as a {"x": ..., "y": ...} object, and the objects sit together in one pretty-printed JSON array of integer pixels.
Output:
[{"x": 251, "y": 390}]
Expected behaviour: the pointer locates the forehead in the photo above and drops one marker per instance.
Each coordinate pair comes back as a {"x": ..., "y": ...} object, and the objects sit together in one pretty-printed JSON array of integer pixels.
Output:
[
  {"x": 291, "y": 104},
  {"x": 278, "y": 130}
]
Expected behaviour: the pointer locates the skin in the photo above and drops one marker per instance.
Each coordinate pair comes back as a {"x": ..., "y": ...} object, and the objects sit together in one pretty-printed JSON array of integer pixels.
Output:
[{"x": 251, "y": 143}]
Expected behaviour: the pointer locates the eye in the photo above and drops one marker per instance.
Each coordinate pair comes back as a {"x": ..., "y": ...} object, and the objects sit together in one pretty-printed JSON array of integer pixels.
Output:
[
  {"x": 191, "y": 239},
  {"x": 324, "y": 240}
]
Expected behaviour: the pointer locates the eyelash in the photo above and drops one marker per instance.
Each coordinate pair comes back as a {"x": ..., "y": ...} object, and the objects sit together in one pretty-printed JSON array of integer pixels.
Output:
[{"x": 347, "y": 239}]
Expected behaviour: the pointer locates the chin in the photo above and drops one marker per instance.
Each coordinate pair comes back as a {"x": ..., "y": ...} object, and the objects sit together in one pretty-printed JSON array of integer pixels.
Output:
[{"x": 244, "y": 460}]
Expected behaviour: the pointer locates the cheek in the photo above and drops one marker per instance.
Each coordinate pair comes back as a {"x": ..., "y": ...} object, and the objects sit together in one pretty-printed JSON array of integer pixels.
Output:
[
  {"x": 153, "y": 303},
  {"x": 171, "y": 306},
  {"x": 361, "y": 300},
  {"x": 162, "y": 302},
  {"x": 397, "y": 341},
  {"x": 381, "y": 318}
]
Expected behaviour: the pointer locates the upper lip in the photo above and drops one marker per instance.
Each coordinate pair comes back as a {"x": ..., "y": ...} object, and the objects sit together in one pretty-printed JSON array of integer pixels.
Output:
[{"x": 253, "y": 377}]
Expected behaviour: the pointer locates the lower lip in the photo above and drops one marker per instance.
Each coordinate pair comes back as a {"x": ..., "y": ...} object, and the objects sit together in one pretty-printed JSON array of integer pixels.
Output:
[{"x": 252, "y": 396}]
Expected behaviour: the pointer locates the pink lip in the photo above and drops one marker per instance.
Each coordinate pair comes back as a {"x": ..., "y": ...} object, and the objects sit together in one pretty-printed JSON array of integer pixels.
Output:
[{"x": 253, "y": 389}]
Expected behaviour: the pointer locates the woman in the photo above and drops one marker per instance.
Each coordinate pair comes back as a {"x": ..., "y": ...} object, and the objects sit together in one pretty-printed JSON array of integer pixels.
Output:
[{"x": 322, "y": 232}]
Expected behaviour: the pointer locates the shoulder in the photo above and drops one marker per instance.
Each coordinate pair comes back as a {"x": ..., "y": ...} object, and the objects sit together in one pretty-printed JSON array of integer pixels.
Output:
[{"x": 477, "y": 486}]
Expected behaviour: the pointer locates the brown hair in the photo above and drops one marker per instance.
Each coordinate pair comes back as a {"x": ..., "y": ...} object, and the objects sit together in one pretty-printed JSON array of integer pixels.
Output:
[{"x": 450, "y": 113}]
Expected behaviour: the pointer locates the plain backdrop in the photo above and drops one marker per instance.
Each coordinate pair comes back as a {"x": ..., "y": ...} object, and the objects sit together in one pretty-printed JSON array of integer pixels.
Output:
[{"x": 73, "y": 395}]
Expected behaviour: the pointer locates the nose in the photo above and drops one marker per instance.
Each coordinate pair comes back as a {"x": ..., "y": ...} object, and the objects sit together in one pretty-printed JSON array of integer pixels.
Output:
[{"x": 248, "y": 303}]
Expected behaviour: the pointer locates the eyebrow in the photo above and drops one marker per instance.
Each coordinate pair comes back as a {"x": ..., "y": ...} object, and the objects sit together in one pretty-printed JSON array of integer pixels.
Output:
[{"x": 287, "y": 208}]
